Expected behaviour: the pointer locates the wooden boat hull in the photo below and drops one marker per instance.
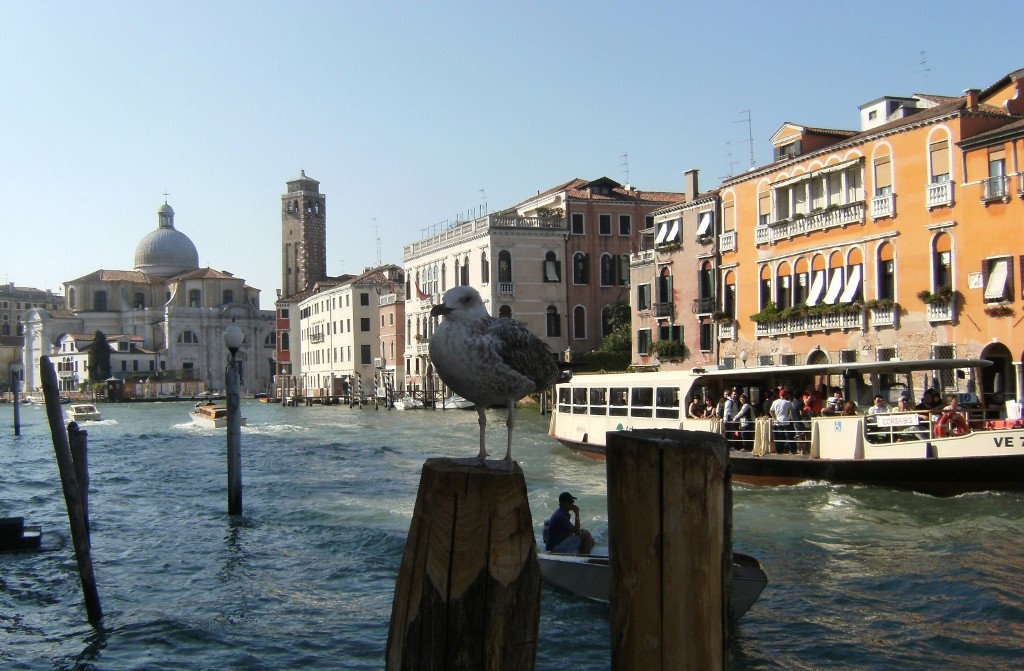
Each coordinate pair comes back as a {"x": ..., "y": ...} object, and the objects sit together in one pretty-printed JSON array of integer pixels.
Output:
[
  {"x": 212, "y": 417},
  {"x": 589, "y": 576}
]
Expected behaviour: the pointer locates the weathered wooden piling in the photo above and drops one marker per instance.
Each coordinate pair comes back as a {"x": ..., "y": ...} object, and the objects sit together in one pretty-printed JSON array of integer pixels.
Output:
[
  {"x": 468, "y": 591},
  {"x": 670, "y": 524},
  {"x": 79, "y": 443},
  {"x": 69, "y": 482},
  {"x": 234, "y": 441}
]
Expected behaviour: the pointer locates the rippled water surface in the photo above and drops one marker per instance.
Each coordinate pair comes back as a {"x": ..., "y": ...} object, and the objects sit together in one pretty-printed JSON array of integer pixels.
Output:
[{"x": 860, "y": 577}]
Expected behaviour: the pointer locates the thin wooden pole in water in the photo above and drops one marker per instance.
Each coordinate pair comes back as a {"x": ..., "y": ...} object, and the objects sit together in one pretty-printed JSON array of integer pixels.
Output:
[
  {"x": 234, "y": 439},
  {"x": 468, "y": 590},
  {"x": 670, "y": 524},
  {"x": 69, "y": 482},
  {"x": 79, "y": 442}
]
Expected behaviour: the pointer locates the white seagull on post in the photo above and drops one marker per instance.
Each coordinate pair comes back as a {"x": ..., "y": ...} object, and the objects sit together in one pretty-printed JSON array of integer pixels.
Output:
[{"x": 488, "y": 360}]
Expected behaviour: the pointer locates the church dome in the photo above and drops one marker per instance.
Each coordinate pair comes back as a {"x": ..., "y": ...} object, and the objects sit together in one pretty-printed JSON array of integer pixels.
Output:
[{"x": 166, "y": 252}]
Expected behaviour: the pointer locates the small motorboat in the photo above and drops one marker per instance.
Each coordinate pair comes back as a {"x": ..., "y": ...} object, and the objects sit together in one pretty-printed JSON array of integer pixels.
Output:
[
  {"x": 16, "y": 536},
  {"x": 589, "y": 576},
  {"x": 407, "y": 403},
  {"x": 456, "y": 401},
  {"x": 211, "y": 416},
  {"x": 83, "y": 412}
]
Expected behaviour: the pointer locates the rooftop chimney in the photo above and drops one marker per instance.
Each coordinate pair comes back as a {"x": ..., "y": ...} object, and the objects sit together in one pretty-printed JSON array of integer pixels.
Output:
[
  {"x": 690, "y": 180},
  {"x": 972, "y": 99}
]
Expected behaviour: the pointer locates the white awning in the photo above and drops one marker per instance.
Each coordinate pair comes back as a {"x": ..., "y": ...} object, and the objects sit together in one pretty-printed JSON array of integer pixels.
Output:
[
  {"x": 995, "y": 289},
  {"x": 852, "y": 285},
  {"x": 704, "y": 223},
  {"x": 816, "y": 286},
  {"x": 834, "y": 286},
  {"x": 673, "y": 233},
  {"x": 662, "y": 232}
]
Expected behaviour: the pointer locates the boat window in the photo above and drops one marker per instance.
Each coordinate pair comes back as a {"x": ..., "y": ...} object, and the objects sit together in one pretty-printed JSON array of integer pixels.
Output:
[
  {"x": 641, "y": 402},
  {"x": 564, "y": 400},
  {"x": 598, "y": 401},
  {"x": 579, "y": 401},
  {"x": 617, "y": 401},
  {"x": 668, "y": 402}
]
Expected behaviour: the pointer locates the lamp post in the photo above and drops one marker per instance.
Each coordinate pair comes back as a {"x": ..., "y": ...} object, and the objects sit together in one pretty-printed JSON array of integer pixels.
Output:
[
  {"x": 743, "y": 357},
  {"x": 16, "y": 369},
  {"x": 233, "y": 338}
]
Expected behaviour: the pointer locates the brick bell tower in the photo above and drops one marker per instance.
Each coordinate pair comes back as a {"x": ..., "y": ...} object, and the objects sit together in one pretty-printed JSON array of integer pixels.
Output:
[{"x": 303, "y": 235}]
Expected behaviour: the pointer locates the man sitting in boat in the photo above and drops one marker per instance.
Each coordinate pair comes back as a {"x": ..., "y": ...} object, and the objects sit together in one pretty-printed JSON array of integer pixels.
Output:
[{"x": 564, "y": 536}]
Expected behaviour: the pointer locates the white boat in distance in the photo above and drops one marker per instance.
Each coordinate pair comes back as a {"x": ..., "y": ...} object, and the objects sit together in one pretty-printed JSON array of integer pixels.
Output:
[
  {"x": 407, "y": 403},
  {"x": 978, "y": 448},
  {"x": 83, "y": 412},
  {"x": 456, "y": 401},
  {"x": 212, "y": 416},
  {"x": 590, "y": 575}
]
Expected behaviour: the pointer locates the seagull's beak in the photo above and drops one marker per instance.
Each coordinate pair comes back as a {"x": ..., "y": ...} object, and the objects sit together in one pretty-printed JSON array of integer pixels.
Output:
[{"x": 441, "y": 310}]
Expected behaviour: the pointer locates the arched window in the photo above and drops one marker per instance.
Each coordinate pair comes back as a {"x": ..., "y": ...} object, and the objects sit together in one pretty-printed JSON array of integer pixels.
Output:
[
  {"x": 188, "y": 338},
  {"x": 140, "y": 300},
  {"x": 270, "y": 340},
  {"x": 579, "y": 322},
  {"x": 552, "y": 268},
  {"x": 801, "y": 281},
  {"x": 853, "y": 289},
  {"x": 729, "y": 297},
  {"x": 505, "y": 312},
  {"x": 465, "y": 271},
  {"x": 785, "y": 289},
  {"x": 444, "y": 277},
  {"x": 504, "y": 266},
  {"x": 580, "y": 268},
  {"x": 285, "y": 340},
  {"x": 942, "y": 262},
  {"x": 608, "y": 264},
  {"x": 834, "y": 281},
  {"x": 664, "y": 287},
  {"x": 886, "y": 271},
  {"x": 818, "y": 277},
  {"x": 485, "y": 268},
  {"x": 765, "y": 286},
  {"x": 706, "y": 283},
  {"x": 72, "y": 299},
  {"x": 458, "y": 273},
  {"x": 554, "y": 322}
]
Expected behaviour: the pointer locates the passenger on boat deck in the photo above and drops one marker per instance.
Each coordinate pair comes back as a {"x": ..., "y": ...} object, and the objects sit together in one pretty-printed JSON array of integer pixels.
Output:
[
  {"x": 878, "y": 406},
  {"x": 849, "y": 408},
  {"x": 563, "y": 535},
  {"x": 731, "y": 406},
  {"x": 903, "y": 405},
  {"x": 709, "y": 409},
  {"x": 696, "y": 409},
  {"x": 782, "y": 411},
  {"x": 745, "y": 422}
]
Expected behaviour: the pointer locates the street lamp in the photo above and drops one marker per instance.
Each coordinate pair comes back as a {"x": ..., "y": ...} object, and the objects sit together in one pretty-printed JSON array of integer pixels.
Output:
[
  {"x": 233, "y": 338},
  {"x": 16, "y": 369},
  {"x": 743, "y": 358}
]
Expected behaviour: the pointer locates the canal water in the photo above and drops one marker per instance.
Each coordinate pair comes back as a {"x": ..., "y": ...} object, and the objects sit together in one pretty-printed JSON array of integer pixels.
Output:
[{"x": 860, "y": 577}]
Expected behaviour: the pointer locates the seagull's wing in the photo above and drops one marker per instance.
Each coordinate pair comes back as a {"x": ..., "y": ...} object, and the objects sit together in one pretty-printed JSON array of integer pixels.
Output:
[{"x": 522, "y": 351}]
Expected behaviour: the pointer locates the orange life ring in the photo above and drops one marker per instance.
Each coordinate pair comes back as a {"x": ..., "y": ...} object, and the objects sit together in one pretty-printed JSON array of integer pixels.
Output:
[{"x": 951, "y": 424}]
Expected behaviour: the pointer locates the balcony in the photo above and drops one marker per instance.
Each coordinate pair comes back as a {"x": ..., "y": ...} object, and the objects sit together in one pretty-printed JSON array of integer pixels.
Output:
[
  {"x": 941, "y": 310},
  {"x": 838, "y": 321},
  {"x": 883, "y": 206},
  {"x": 641, "y": 258},
  {"x": 506, "y": 288},
  {"x": 996, "y": 188},
  {"x": 727, "y": 242},
  {"x": 316, "y": 337},
  {"x": 939, "y": 194},
  {"x": 833, "y": 217},
  {"x": 727, "y": 329},
  {"x": 663, "y": 309},
  {"x": 884, "y": 317},
  {"x": 704, "y": 306},
  {"x": 423, "y": 348}
]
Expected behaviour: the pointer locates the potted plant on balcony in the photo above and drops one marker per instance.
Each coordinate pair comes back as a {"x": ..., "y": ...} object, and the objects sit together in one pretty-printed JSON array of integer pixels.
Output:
[
  {"x": 669, "y": 350},
  {"x": 999, "y": 310},
  {"x": 940, "y": 295}
]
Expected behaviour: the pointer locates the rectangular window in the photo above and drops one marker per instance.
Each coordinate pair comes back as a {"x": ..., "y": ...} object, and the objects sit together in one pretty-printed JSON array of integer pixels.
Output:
[
  {"x": 605, "y": 224},
  {"x": 365, "y": 355},
  {"x": 643, "y": 341},
  {"x": 577, "y": 223},
  {"x": 706, "y": 335},
  {"x": 998, "y": 280},
  {"x": 618, "y": 398},
  {"x": 939, "y": 160},
  {"x": 643, "y": 297},
  {"x": 364, "y": 324},
  {"x": 625, "y": 224},
  {"x": 883, "y": 176},
  {"x": 641, "y": 401}
]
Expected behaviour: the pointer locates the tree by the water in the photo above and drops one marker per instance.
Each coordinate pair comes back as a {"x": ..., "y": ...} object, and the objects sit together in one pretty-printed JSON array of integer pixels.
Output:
[{"x": 99, "y": 358}]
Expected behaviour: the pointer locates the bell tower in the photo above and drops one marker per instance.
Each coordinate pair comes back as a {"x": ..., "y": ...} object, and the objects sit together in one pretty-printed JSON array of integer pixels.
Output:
[{"x": 303, "y": 235}]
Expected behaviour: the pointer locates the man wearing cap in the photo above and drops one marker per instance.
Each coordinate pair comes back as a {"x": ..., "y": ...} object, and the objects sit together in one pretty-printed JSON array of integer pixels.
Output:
[{"x": 562, "y": 534}]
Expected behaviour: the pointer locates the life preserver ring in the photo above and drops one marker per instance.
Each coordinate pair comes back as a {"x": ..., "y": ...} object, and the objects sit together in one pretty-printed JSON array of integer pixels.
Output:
[{"x": 951, "y": 424}]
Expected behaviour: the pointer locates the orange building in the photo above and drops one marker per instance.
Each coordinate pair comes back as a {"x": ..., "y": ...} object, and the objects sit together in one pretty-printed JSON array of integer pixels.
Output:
[{"x": 894, "y": 240}]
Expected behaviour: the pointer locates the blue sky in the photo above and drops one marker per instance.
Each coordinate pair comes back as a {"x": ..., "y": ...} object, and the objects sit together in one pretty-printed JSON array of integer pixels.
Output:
[{"x": 411, "y": 113}]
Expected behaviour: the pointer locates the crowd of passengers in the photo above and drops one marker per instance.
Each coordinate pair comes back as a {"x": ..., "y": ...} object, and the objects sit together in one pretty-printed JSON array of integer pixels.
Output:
[{"x": 791, "y": 413}]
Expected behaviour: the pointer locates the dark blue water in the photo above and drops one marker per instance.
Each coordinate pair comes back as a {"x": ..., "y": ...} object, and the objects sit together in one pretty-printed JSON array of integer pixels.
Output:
[{"x": 860, "y": 578}]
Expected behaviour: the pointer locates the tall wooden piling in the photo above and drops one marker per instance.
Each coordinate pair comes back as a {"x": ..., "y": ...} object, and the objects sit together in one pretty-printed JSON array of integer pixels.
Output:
[
  {"x": 468, "y": 591},
  {"x": 670, "y": 524},
  {"x": 234, "y": 441},
  {"x": 69, "y": 482},
  {"x": 79, "y": 443}
]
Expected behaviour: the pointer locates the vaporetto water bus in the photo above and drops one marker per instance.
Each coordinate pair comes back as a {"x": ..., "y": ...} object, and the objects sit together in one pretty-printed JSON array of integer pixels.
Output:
[{"x": 976, "y": 446}]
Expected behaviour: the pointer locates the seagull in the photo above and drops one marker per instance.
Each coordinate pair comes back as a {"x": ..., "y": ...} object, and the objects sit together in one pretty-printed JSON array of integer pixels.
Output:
[{"x": 488, "y": 360}]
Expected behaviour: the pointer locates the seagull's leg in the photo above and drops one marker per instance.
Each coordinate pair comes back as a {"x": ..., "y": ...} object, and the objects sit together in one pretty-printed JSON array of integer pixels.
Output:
[
  {"x": 510, "y": 424},
  {"x": 480, "y": 459}
]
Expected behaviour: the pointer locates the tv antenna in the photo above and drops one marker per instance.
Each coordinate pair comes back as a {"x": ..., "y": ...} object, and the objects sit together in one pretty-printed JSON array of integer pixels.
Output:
[
  {"x": 732, "y": 163},
  {"x": 625, "y": 164},
  {"x": 924, "y": 67},
  {"x": 750, "y": 135}
]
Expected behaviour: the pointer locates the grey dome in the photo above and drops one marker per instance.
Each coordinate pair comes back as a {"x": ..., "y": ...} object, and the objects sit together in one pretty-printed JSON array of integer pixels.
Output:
[{"x": 166, "y": 251}]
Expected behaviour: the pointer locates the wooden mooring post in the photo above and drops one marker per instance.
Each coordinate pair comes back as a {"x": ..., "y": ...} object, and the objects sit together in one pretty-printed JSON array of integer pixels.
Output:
[
  {"x": 670, "y": 524},
  {"x": 78, "y": 441},
  {"x": 234, "y": 440},
  {"x": 468, "y": 590},
  {"x": 69, "y": 482}
]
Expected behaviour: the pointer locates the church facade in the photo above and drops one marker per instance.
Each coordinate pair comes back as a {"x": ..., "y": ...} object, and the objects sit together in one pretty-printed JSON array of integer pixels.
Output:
[{"x": 171, "y": 310}]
